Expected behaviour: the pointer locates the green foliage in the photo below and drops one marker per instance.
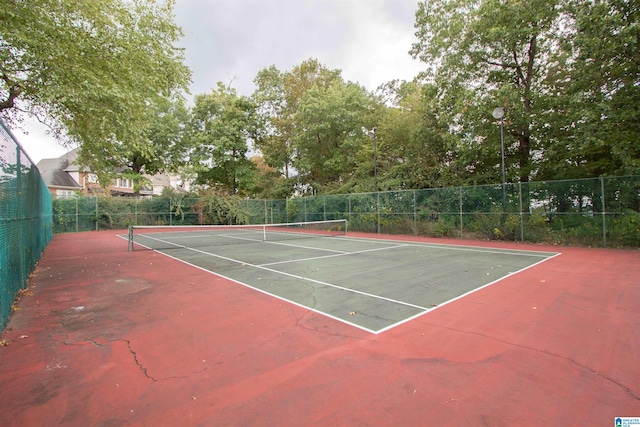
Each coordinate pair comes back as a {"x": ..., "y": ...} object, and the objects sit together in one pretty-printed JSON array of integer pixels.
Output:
[
  {"x": 625, "y": 229},
  {"x": 107, "y": 73},
  {"x": 413, "y": 147},
  {"x": 91, "y": 69},
  {"x": 220, "y": 210},
  {"x": 292, "y": 209},
  {"x": 221, "y": 125},
  {"x": 492, "y": 49},
  {"x": 331, "y": 119},
  {"x": 566, "y": 72},
  {"x": 444, "y": 226},
  {"x": 62, "y": 219},
  {"x": 535, "y": 227},
  {"x": 313, "y": 124},
  {"x": 605, "y": 84}
]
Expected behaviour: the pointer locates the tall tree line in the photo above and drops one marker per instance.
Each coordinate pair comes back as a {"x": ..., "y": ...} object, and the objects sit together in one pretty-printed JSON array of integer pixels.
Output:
[{"x": 566, "y": 73}]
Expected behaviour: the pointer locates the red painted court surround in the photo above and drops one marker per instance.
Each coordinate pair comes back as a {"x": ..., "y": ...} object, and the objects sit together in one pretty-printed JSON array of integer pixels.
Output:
[{"x": 106, "y": 337}]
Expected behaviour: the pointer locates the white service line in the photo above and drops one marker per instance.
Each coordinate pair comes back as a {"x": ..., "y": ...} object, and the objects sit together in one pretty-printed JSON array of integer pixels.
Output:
[{"x": 330, "y": 256}]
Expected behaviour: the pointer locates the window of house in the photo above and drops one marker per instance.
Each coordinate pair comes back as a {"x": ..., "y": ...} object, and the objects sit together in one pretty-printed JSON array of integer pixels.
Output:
[{"x": 64, "y": 194}]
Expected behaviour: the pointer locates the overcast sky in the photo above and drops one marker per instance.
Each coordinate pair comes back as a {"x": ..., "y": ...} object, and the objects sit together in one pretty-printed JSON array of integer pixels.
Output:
[{"x": 232, "y": 40}]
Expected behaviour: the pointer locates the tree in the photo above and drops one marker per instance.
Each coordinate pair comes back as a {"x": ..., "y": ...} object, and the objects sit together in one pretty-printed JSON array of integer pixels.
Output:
[
  {"x": 279, "y": 95},
  {"x": 605, "y": 84},
  {"x": 270, "y": 184},
  {"x": 90, "y": 69},
  {"x": 413, "y": 150},
  {"x": 162, "y": 150},
  {"x": 270, "y": 97},
  {"x": 222, "y": 126},
  {"x": 165, "y": 150},
  {"x": 329, "y": 133},
  {"x": 500, "y": 51},
  {"x": 313, "y": 121}
]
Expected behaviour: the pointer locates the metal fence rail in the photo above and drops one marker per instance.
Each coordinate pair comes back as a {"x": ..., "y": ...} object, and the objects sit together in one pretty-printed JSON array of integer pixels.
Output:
[
  {"x": 25, "y": 219},
  {"x": 592, "y": 212}
]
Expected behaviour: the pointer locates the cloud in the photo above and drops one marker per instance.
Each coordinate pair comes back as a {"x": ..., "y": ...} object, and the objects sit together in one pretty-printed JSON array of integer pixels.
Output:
[{"x": 232, "y": 40}]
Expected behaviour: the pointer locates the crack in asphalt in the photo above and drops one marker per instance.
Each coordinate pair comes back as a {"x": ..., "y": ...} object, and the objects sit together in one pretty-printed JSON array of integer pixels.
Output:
[{"x": 135, "y": 358}]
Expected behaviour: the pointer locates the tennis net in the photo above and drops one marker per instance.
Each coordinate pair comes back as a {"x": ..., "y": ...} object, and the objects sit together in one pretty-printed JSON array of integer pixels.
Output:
[{"x": 192, "y": 236}]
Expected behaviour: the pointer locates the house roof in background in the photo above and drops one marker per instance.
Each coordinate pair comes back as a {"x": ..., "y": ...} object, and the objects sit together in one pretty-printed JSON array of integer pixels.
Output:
[
  {"x": 160, "y": 179},
  {"x": 55, "y": 172}
]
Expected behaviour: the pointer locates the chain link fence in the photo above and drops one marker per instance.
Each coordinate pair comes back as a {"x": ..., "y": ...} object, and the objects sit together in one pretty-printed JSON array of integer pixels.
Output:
[
  {"x": 589, "y": 212},
  {"x": 25, "y": 220}
]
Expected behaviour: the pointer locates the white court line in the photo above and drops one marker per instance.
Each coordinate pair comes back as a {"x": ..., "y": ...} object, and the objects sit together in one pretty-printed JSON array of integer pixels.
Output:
[
  {"x": 518, "y": 252},
  {"x": 304, "y": 247},
  {"x": 331, "y": 285},
  {"x": 168, "y": 239},
  {"x": 290, "y": 244},
  {"x": 330, "y": 256}
]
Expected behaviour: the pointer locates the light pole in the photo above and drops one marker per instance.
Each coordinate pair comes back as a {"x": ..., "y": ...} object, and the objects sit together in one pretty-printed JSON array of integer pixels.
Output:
[
  {"x": 498, "y": 113},
  {"x": 374, "y": 135}
]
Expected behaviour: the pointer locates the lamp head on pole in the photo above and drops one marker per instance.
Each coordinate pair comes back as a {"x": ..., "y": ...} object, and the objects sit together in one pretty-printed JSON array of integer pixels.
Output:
[
  {"x": 498, "y": 113},
  {"x": 370, "y": 133}
]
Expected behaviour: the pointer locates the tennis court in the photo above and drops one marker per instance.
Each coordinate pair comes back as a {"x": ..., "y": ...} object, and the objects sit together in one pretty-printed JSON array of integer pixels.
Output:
[
  {"x": 109, "y": 337},
  {"x": 371, "y": 284}
]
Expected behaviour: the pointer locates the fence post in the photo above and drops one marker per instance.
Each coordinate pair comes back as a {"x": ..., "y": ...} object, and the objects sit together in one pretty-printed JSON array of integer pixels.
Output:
[
  {"x": 461, "y": 214},
  {"x": 324, "y": 208},
  {"x": 97, "y": 218},
  {"x": 415, "y": 213},
  {"x": 604, "y": 213},
  {"x": 18, "y": 173},
  {"x": 170, "y": 212},
  {"x": 521, "y": 213},
  {"x": 378, "y": 212},
  {"x": 77, "y": 214},
  {"x": 20, "y": 216}
]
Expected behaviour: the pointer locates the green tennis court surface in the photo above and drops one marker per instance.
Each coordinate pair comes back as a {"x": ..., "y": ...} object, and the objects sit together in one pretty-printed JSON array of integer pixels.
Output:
[{"x": 371, "y": 284}]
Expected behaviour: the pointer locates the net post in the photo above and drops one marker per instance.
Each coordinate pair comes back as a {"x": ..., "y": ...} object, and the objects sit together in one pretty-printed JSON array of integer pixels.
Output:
[{"x": 130, "y": 239}]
